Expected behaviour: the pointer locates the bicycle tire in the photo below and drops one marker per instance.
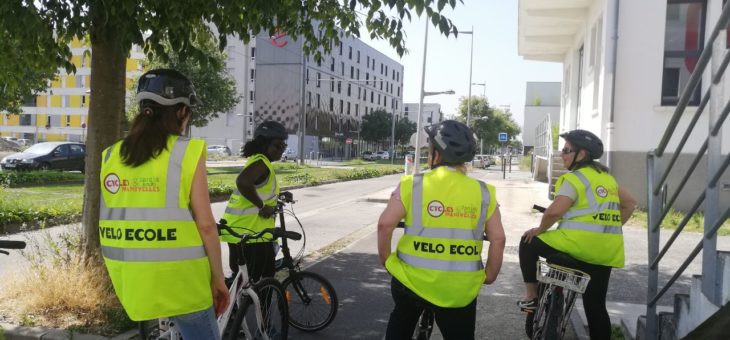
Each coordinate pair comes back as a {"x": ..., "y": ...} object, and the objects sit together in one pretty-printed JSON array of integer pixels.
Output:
[
  {"x": 312, "y": 301},
  {"x": 424, "y": 327},
  {"x": 149, "y": 330},
  {"x": 529, "y": 323},
  {"x": 273, "y": 309},
  {"x": 551, "y": 330}
]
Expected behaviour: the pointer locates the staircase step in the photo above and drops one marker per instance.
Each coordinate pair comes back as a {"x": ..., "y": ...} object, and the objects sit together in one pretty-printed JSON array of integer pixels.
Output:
[
  {"x": 641, "y": 327},
  {"x": 698, "y": 309},
  {"x": 667, "y": 326}
]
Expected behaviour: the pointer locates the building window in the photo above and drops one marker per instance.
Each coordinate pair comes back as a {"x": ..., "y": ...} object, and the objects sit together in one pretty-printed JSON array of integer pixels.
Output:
[
  {"x": 341, "y": 106},
  {"x": 357, "y": 109},
  {"x": 683, "y": 43},
  {"x": 349, "y": 90},
  {"x": 358, "y": 74},
  {"x": 381, "y": 68},
  {"x": 309, "y": 98},
  {"x": 68, "y": 120},
  {"x": 332, "y": 84},
  {"x": 372, "y": 97},
  {"x": 332, "y": 104},
  {"x": 253, "y": 74},
  {"x": 332, "y": 65},
  {"x": 358, "y": 92},
  {"x": 339, "y": 87},
  {"x": 252, "y": 96},
  {"x": 364, "y": 94},
  {"x": 367, "y": 78},
  {"x": 368, "y": 61},
  {"x": 83, "y": 101},
  {"x": 358, "y": 57},
  {"x": 352, "y": 72},
  {"x": 342, "y": 65},
  {"x": 398, "y": 91},
  {"x": 319, "y": 101},
  {"x": 48, "y": 122},
  {"x": 253, "y": 53},
  {"x": 319, "y": 79},
  {"x": 340, "y": 45},
  {"x": 349, "y": 53},
  {"x": 348, "y": 108},
  {"x": 307, "y": 79}
]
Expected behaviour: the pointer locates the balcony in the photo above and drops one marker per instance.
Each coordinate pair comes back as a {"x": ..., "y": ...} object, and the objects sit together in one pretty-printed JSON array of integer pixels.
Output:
[{"x": 547, "y": 29}]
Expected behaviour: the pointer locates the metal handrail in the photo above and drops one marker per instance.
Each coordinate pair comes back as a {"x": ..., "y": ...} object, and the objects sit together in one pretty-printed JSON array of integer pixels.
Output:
[
  {"x": 718, "y": 112},
  {"x": 693, "y": 82}
]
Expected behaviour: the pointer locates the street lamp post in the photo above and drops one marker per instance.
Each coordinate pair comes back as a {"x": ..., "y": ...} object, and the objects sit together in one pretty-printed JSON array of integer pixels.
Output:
[
  {"x": 417, "y": 161},
  {"x": 485, "y": 88},
  {"x": 481, "y": 140},
  {"x": 471, "y": 63}
]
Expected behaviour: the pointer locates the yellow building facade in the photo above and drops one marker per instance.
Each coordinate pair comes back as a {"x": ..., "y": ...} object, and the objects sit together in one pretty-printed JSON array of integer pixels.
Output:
[{"x": 60, "y": 113}]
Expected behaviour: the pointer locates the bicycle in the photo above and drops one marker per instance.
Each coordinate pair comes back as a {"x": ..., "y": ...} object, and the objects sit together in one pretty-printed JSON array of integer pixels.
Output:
[
  {"x": 311, "y": 298},
  {"x": 271, "y": 316},
  {"x": 9, "y": 244},
  {"x": 558, "y": 285}
]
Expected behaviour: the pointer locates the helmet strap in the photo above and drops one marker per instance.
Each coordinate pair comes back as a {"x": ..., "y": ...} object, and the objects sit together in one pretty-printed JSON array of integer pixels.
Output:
[{"x": 573, "y": 163}]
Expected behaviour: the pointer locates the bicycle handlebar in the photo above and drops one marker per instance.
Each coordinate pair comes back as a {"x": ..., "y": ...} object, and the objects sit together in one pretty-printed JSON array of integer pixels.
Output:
[
  {"x": 539, "y": 208},
  {"x": 275, "y": 232},
  {"x": 12, "y": 244}
]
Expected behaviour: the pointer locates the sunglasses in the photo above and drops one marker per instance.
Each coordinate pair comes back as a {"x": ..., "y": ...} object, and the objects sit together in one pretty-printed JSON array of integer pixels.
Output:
[
  {"x": 279, "y": 145},
  {"x": 566, "y": 151}
]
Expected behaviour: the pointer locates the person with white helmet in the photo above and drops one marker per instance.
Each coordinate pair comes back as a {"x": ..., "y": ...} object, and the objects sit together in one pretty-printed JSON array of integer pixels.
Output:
[
  {"x": 158, "y": 236},
  {"x": 590, "y": 208},
  {"x": 438, "y": 263},
  {"x": 251, "y": 206}
]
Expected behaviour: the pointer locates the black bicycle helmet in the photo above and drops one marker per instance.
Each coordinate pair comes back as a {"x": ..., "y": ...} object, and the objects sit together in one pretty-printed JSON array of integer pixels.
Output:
[
  {"x": 166, "y": 87},
  {"x": 454, "y": 140},
  {"x": 271, "y": 129},
  {"x": 585, "y": 140}
]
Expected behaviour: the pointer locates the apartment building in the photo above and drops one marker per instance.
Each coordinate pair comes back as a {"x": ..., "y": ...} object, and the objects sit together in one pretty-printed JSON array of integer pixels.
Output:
[
  {"x": 337, "y": 90},
  {"x": 60, "y": 113},
  {"x": 431, "y": 113}
]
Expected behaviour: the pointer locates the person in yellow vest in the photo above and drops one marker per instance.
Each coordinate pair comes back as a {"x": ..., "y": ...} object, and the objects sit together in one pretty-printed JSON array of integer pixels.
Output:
[
  {"x": 590, "y": 208},
  {"x": 251, "y": 206},
  {"x": 158, "y": 236},
  {"x": 438, "y": 261}
]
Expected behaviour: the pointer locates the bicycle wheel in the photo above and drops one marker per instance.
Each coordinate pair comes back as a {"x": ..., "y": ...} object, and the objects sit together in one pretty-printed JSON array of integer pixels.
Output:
[
  {"x": 273, "y": 309},
  {"x": 149, "y": 330},
  {"x": 551, "y": 329},
  {"x": 312, "y": 301},
  {"x": 424, "y": 327}
]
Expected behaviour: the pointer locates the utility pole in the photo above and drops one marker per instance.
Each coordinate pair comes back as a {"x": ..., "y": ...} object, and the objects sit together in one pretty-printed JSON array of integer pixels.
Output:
[{"x": 303, "y": 109}]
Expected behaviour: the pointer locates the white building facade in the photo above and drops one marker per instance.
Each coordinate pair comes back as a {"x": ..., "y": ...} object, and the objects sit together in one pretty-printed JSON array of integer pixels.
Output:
[
  {"x": 431, "y": 113},
  {"x": 624, "y": 68},
  {"x": 273, "y": 79},
  {"x": 541, "y": 99}
]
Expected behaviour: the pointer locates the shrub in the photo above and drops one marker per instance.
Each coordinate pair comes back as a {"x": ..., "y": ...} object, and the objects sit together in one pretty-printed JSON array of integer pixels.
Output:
[{"x": 22, "y": 178}]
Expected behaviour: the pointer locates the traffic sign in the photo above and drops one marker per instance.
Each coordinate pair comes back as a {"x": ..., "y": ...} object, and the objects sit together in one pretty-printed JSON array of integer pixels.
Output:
[
  {"x": 348, "y": 141},
  {"x": 502, "y": 136}
]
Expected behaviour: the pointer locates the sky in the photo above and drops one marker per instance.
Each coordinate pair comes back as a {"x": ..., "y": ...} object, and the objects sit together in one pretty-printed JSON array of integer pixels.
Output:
[{"x": 496, "y": 62}]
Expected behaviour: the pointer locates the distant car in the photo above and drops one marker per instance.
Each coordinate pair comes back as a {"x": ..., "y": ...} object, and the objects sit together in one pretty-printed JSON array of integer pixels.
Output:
[
  {"x": 483, "y": 161},
  {"x": 48, "y": 156},
  {"x": 24, "y": 142},
  {"x": 11, "y": 139},
  {"x": 368, "y": 156},
  {"x": 382, "y": 155},
  {"x": 219, "y": 150},
  {"x": 288, "y": 155}
]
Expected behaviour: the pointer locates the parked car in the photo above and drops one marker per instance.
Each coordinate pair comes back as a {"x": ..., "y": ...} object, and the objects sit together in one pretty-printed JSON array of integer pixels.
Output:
[
  {"x": 11, "y": 139},
  {"x": 368, "y": 156},
  {"x": 24, "y": 142},
  {"x": 289, "y": 154},
  {"x": 48, "y": 156},
  {"x": 382, "y": 155},
  {"x": 219, "y": 150}
]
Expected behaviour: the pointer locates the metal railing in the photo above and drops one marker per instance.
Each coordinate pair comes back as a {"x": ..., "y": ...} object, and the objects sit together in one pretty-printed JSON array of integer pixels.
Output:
[
  {"x": 543, "y": 147},
  {"x": 658, "y": 177}
]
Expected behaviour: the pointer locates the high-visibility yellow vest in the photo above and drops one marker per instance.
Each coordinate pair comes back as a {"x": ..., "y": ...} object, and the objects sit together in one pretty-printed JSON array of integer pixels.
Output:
[
  {"x": 242, "y": 215},
  {"x": 149, "y": 239},
  {"x": 439, "y": 255},
  {"x": 591, "y": 230}
]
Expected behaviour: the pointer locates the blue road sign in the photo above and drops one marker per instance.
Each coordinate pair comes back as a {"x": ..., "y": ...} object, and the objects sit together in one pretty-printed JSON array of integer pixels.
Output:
[{"x": 502, "y": 136}]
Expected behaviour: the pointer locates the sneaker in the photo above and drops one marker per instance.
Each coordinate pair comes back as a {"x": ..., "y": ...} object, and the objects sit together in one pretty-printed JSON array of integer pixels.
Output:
[{"x": 527, "y": 305}]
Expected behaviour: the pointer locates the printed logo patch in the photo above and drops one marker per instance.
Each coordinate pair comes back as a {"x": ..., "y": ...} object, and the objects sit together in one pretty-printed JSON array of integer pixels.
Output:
[
  {"x": 601, "y": 191},
  {"x": 112, "y": 183},
  {"x": 435, "y": 208}
]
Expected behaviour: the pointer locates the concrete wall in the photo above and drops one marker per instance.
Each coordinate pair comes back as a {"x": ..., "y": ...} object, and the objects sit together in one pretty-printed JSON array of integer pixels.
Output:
[
  {"x": 541, "y": 99},
  {"x": 629, "y": 168}
]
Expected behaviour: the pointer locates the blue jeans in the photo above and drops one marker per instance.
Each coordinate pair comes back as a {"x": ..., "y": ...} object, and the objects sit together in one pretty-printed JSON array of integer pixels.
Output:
[{"x": 198, "y": 325}]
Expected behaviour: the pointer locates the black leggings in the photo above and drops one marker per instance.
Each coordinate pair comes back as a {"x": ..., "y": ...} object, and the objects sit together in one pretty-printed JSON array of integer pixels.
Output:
[
  {"x": 259, "y": 257},
  {"x": 454, "y": 323},
  {"x": 594, "y": 298}
]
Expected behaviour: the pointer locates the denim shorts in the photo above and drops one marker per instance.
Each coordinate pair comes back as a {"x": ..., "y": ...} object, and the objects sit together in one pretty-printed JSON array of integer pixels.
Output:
[{"x": 198, "y": 325}]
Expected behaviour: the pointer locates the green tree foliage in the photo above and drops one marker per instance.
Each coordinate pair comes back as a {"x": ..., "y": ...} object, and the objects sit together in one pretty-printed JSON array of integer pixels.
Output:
[
  {"x": 403, "y": 131},
  {"x": 376, "y": 126},
  {"x": 113, "y": 26},
  {"x": 215, "y": 88},
  {"x": 487, "y": 122}
]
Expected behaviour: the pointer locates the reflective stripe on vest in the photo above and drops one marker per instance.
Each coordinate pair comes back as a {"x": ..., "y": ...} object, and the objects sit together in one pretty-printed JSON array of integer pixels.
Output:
[
  {"x": 596, "y": 228},
  {"x": 417, "y": 229},
  {"x": 153, "y": 254},
  {"x": 238, "y": 211},
  {"x": 171, "y": 211},
  {"x": 593, "y": 206}
]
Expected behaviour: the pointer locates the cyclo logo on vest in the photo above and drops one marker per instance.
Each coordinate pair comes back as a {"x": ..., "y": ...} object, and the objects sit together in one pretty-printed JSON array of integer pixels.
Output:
[
  {"x": 138, "y": 234},
  {"x": 112, "y": 183}
]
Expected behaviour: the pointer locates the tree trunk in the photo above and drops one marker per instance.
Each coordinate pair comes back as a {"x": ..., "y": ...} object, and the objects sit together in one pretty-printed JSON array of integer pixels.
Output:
[{"x": 106, "y": 111}]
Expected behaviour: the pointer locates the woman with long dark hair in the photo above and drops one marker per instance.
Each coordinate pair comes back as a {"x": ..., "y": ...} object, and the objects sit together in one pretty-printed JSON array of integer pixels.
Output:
[{"x": 157, "y": 231}]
